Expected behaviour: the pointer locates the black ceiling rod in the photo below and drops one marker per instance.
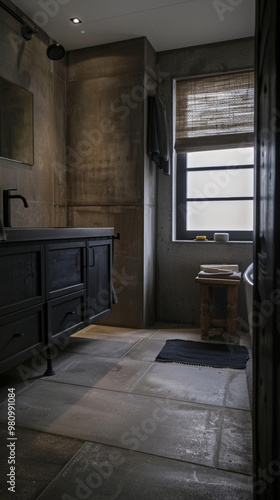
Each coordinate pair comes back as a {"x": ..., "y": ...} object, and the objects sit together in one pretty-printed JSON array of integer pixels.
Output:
[{"x": 27, "y": 30}]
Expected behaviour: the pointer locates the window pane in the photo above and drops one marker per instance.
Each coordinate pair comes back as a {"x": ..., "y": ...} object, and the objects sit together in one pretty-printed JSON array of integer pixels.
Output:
[
  {"x": 221, "y": 158},
  {"x": 220, "y": 216},
  {"x": 220, "y": 183}
]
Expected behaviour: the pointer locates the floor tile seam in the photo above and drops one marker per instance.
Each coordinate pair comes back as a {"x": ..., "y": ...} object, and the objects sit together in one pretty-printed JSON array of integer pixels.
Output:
[
  {"x": 132, "y": 347},
  {"x": 112, "y": 337},
  {"x": 109, "y": 337},
  {"x": 243, "y": 474},
  {"x": 101, "y": 357},
  {"x": 169, "y": 458},
  {"x": 130, "y": 332},
  {"x": 114, "y": 446},
  {"x": 157, "y": 331},
  {"x": 164, "y": 458},
  {"x": 172, "y": 334},
  {"x": 212, "y": 406},
  {"x": 149, "y": 396},
  {"x": 221, "y": 428},
  {"x": 144, "y": 340},
  {"x": 152, "y": 334},
  {"x": 41, "y": 431},
  {"x": 226, "y": 389},
  {"x": 141, "y": 377},
  {"x": 220, "y": 432},
  {"x": 64, "y": 467},
  {"x": 140, "y": 452}
]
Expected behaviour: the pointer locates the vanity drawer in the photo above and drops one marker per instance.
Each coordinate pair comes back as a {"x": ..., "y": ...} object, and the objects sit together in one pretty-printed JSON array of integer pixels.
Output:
[
  {"x": 20, "y": 333},
  {"x": 22, "y": 277},
  {"x": 66, "y": 314},
  {"x": 65, "y": 268}
]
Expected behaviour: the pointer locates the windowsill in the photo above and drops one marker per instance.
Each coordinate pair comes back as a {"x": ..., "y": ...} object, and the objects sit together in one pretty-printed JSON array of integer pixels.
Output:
[{"x": 203, "y": 242}]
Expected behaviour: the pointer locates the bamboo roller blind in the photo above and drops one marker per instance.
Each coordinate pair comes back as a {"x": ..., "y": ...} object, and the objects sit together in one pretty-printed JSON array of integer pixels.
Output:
[{"x": 215, "y": 112}]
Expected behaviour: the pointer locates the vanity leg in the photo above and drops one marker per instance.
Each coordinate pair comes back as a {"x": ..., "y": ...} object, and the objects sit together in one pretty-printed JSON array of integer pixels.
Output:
[{"x": 49, "y": 371}]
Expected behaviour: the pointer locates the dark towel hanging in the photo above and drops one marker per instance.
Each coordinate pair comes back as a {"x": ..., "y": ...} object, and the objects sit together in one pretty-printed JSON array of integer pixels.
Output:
[{"x": 158, "y": 142}]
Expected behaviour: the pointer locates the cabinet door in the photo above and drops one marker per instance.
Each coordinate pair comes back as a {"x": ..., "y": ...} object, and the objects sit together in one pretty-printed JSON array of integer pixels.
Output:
[
  {"x": 66, "y": 315},
  {"x": 99, "y": 289},
  {"x": 21, "y": 277},
  {"x": 22, "y": 335},
  {"x": 65, "y": 268}
]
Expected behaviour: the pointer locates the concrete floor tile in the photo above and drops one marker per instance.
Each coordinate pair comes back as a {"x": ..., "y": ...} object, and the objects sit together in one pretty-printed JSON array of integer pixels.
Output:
[
  {"x": 161, "y": 427},
  {"x": 100, "y": 472},
  {"x": 146, "y": 350},
  {"x": 97, "y": 347},
  {"x": 236, "y": 442},
  {"x": 185, "y": 382},
  {"x": 237, "y": 393}
]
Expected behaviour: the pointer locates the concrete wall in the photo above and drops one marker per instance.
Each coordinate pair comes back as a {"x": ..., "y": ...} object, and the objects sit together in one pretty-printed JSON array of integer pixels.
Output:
[
  {"x": 178, "y": 262},
  {"x": 110, "y": 181},
  {"x": 44, "y": 183}
]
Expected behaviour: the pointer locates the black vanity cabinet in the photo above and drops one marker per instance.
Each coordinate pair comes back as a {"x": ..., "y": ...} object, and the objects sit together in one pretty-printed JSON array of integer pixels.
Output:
[
  {"x": 22, "y": 296},
  {"x": 51, "y": 287}
]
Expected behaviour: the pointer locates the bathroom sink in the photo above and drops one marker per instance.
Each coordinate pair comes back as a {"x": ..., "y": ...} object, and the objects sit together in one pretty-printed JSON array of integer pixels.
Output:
[{"x": 51, "y": 233}]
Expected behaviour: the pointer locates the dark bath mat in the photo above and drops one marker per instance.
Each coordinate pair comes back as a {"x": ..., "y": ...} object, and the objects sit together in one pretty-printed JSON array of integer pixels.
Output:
[{"x": 204, "y": 354}]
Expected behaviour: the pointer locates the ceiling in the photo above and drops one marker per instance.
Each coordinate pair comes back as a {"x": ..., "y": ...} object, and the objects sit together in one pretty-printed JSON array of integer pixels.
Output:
[{"x": 167, "y": 24}]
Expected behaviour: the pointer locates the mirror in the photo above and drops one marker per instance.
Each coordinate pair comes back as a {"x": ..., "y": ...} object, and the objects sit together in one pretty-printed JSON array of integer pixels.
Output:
[{"x": 16, "y": 123}]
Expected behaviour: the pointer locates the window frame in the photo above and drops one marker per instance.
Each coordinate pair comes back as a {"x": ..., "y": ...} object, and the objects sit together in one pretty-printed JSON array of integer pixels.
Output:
[
  {"x": 182, "y": 233},
  {"x": 189, "y": 135}
]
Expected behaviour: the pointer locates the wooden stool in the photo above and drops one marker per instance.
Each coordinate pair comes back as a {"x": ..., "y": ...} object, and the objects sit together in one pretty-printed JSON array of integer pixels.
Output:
[{"x": 206, "y": 320}]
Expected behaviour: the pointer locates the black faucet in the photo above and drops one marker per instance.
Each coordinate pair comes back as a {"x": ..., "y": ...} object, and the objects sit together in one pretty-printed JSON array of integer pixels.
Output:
[{"x": 6, "y": 205}]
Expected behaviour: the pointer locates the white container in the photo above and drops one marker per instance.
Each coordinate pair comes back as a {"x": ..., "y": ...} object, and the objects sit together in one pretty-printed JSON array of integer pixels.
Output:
[{"x": 221, "y": 237}]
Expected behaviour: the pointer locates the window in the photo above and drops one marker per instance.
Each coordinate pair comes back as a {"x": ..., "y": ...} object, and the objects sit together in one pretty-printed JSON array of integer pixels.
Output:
[{"x": 215, "y": 157}]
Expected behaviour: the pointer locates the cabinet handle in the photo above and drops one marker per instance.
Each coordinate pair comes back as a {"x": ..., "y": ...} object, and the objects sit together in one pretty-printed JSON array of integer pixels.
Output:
[
  {"x": 18, "y": 335},
  {"x": 91, "y": 259},
  {"x": 84, "y": 257},
  {"x": 71, "y": 312}
]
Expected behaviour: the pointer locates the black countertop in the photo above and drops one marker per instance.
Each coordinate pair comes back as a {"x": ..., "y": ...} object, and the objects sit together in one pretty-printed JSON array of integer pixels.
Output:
[{"x": 18, "y": 234}]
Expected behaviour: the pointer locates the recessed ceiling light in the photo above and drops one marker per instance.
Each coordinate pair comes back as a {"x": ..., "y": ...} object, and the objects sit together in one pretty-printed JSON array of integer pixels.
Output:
[{"x": 75, "y": 20}]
